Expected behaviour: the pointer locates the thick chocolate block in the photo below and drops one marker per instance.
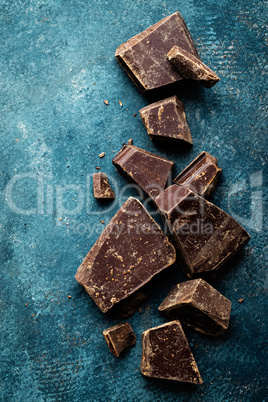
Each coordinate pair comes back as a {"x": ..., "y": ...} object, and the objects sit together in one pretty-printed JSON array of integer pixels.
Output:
[
  {"x": 129, "y": 252},
  {"x": 201, "y": 175},
  {"x": 198, "y": 305},
  {"x": 205, "y": 235},
  {"x": 166, "y": 121},
  {"x": 144, "y": 56},
  {"x": 101, "y": 186},
  {"x": 166, "y": 354},
  {"x": 191, "y": 67},
  {"x": 119, "y": 337},
  {"x": 148, "y": 170}
]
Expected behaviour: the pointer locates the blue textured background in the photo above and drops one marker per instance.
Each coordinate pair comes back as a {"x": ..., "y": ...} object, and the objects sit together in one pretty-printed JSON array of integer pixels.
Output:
[{"x": 54, "y": 124}]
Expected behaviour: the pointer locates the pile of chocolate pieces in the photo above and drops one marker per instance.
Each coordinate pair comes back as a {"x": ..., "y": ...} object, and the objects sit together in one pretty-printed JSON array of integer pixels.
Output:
[{"x": 132, "y": 248}]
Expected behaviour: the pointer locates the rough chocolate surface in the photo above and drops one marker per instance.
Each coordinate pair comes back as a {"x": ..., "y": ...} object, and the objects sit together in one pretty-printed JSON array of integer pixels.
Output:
[
  {"x": 201, "y": 175},
  {"x": 191, "y": 67},
  {"x": 130, "y": 305},
  {"x": 144, "y": 56},
  {"x": 129, "y": 252},
  {"x": 166, "y": 121},
  {"x": 148, "y": 170},
  {"x": 119, "y": 337},
  {"x": 205, "y": 235},
  {"x": 101, "y": 186},
  {"x": 166, "y": 354},
  {"x": 199, "y": 305}
]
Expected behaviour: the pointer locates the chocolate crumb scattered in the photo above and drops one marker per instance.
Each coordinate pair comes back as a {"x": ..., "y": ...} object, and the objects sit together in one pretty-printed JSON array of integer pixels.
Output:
[
  {"x": 102, "y": 155},
  {"x": 135, "y": 114},
  {"x": 106, "y": 102},
  {"x": 26, "y": 304},
  {"x": 130, "y": 141},
  {"x": 97, "y": 168},
  {"x": 102, "y": 222},
  {"x": 120, "y": 103},
  {"x": 69, "y": 297},
  {"x": 241, "y": 300}
]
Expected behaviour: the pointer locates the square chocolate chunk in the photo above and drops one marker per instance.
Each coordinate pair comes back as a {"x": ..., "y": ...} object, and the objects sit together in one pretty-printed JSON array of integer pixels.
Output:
[{"x": 119, "y": 337}]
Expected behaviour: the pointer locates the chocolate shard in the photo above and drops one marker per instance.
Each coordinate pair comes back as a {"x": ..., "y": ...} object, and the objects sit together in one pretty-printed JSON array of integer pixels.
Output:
[
  {"x": 201, "y": 175},
  {"x": 119, "y": 337},
  {"x": 205, "y": 235},
  {"x": 129, "y": 252},
  {"x": 191, "y": 67},
  {"x": 198, "y": 305},
  {"x": 148, "y": 170},
  {"x": 101, "y": 186},
  {"x": 144, "y": 56},
  {"x": 166, "y": 354},
  {"x": 130, "y": 305},
  {"x": 166, "y": 121}
]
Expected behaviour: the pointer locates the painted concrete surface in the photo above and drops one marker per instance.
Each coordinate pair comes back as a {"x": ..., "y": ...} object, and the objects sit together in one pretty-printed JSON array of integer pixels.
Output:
[{"x": 57, "y": 67}]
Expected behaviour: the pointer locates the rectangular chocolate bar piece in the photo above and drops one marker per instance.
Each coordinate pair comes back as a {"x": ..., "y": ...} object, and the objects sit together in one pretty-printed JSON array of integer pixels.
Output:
[
  {"x": 165, "y": 120},
  {"x": 129, "y": 252},
  {"x": 198, "y": 305},
  {"x": 144, "y": 56},
  {"x": 166, "y": 354},
  {"x": 119, "y": 337},
  {"x": 191, "y": 67},
  {"x": 205, "y": 235},
  {"x": 101, "y": 186},
  {"x": 201, "y": 175},
  {"x": 148, "y": 170}
]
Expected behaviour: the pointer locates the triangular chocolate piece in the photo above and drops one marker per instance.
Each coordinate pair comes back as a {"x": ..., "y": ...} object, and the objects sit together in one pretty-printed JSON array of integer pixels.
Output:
[
  {"x": 191, "y": 67},
  {"x": 148, "y": 170},
  {"x": 166, "y": 354},
  {"x": 201, "y": 175},
  {"x": 205, "y": 235},
  {"x": 165, "y": 120},
  {"x": 198, "y": 305},
  {"x": 129, "y": 252},
  {"x": 101, "y": 186},
  {"x": 144, "y": 56}
]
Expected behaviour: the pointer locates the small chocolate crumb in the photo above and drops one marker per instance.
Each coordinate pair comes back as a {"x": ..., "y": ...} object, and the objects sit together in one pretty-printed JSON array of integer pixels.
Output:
[
  {"x": 60, "y": 219},
  {"x": 94, "y": 83},
  {"x": 130, "y": 141},
  {"x": 135, "y": 114},
  {"x": 69, "y": 297},
  {"x": 26, "y": 304},
  {"x": 97, "y": 168},
  {"x": 106, "y": 102},
  {"x": 102, "y": 222},
  {"x": 241, "y": 300},
  {"x": 102, "y": 155},
  {"x": 120, "y": 103}
]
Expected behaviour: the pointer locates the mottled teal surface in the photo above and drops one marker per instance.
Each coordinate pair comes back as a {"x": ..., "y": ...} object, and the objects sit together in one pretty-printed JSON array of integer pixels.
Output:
[{"x": 53, "y": 126}]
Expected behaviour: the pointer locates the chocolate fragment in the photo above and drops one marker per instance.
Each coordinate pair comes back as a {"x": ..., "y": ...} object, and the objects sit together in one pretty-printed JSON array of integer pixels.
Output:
[
  {"x": 205, "y": 235},
  {"x": 130, "y": 141},
  {"x": 119, "y": 337},
  {"x": 144, "y": 56},
  {"x": 198, "y": 305},
  {"x": 101, "y": 186},
  {"x": 132, "y": 304},
  {"x": 191, "y": 67},
  {"x": 201, "y": 175},
  {"x": 148, "y": 170},
  {"x": 166, "y": 354},
  {"x": 129, "y": 252},
  {"x": 166, "y": 121}
]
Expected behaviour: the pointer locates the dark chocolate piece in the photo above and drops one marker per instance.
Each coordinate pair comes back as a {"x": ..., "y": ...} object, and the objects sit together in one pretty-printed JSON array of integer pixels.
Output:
[
  {"x": 101, "y": 186},
  {"x": 166, "y": 121},
  {"x": 119, "y": 337},
  {"x": 191, "y": 67},
  {"x": 166, "y": 354},
  {"x": 205, "y": 235},
  {"x": 148, "y": 170},
  {"x": 201, "y": 175},
  {"x": 144, "y": 56},
  {"x": 198, "y": 305},
  {"x": 129, "y": 252},
  {"x": 130, "y": 305}
]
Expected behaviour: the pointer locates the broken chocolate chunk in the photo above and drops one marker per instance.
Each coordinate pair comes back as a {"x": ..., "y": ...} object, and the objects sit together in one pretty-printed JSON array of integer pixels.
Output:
[
  {"x": 148, "y": 170},
  {"x": 201, "y": 175},
  {"x": 191, "y": 67},
  {"x": 166, "y": 121},
  {"x": 144, "y": 56},
  {"x": 101, "y": 186},
  {"x": 205, "y": 235},
  {"x": 130, "y": 305},
  {"x": 119, "y": 337},
  {"x": 166, "y": 354},
  {"x": 198, "y": 305},
  {"x": 129, "y": 252}
]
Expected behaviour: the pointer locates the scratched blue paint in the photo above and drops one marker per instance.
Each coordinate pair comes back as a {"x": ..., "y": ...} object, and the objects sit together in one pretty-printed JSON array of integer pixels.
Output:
[{"x": 57, "y": 67}]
